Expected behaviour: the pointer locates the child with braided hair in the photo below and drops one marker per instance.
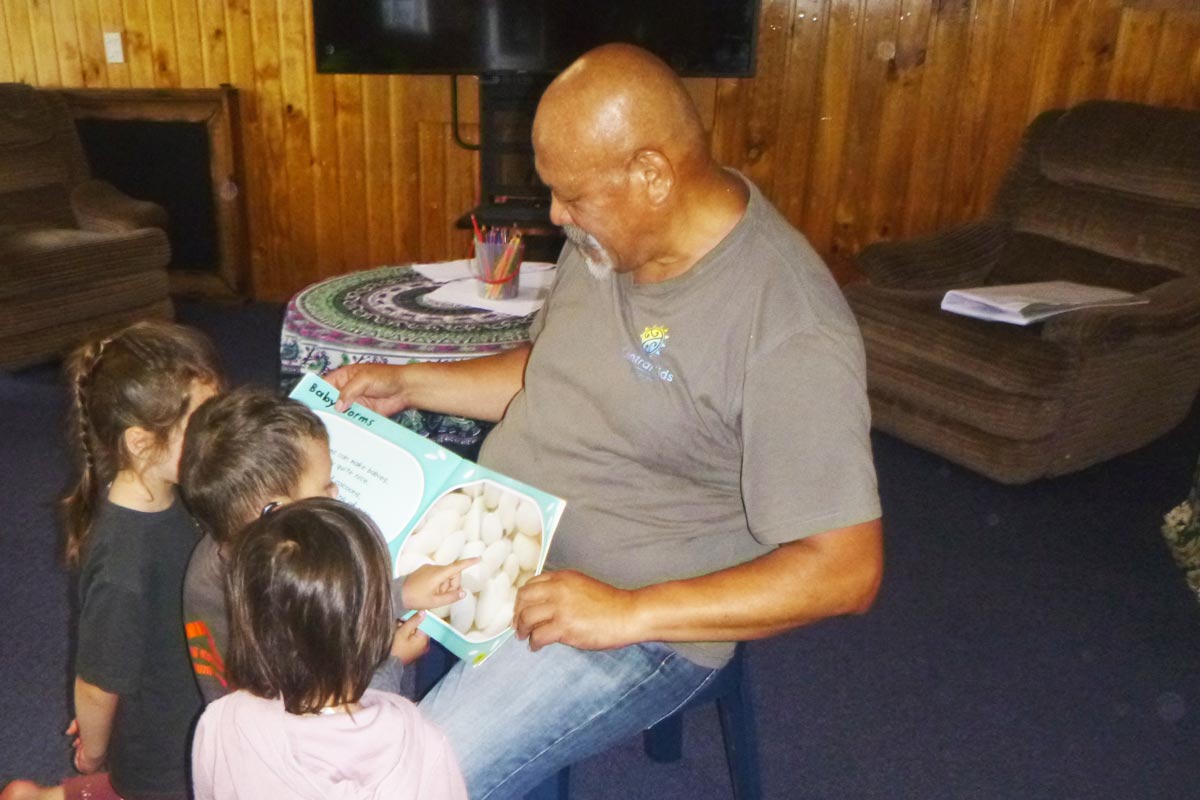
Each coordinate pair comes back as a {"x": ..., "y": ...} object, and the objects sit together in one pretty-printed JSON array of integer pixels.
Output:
[{"x": 129, "y": 536}]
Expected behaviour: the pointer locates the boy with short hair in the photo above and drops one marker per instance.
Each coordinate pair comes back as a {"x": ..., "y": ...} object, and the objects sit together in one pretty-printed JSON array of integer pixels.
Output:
[{"x": 245, "y": 453}]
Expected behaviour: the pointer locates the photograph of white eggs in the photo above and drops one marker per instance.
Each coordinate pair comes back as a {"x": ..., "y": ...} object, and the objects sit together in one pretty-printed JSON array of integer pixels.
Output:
[{"x": 501, "y": 526}]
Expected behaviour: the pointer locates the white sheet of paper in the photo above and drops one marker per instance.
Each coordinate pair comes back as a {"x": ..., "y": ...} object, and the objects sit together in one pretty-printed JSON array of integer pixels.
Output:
[
  {"x": 535, "y": 285},
  {"x": 447, "y": 271},
  {"x": 381, "y": 479}
]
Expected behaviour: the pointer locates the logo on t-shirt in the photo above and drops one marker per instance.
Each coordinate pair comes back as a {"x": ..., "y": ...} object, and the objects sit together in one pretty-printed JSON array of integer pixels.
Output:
[
  {"x": 654, "y": 339},
  {"x": 654, "y": 342}
]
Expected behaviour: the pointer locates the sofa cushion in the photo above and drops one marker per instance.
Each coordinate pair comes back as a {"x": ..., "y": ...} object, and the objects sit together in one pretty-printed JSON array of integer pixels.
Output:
[
  {"x": 1001, "y": 378},
  {"x": 45, "y": 262},
  {"x": 48, "y": 205},
  {"x": 1126, "y": 147},
  {"x": 1111, "y": 223},
  {"x": 1028, "y": 257}
]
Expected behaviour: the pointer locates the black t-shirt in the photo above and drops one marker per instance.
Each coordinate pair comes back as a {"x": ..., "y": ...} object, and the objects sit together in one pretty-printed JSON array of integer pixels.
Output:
[{"x": 131, "y": 642}]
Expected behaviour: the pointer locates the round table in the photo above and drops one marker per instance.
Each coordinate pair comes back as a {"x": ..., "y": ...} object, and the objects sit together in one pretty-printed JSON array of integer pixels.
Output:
[{"x": 383, "y": 316}]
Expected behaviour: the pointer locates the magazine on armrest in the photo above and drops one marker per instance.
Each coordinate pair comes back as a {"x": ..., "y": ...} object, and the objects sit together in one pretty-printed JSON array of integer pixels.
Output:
[
  {"x": 434, "y": 507},
  {"x": 1026, "y": 303}
]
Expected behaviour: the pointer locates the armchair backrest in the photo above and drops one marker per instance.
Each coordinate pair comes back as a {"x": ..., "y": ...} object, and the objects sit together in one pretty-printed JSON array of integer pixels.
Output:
[
  {"x": 41, "y": 157},
  {"x": 1121, "y": 180}
]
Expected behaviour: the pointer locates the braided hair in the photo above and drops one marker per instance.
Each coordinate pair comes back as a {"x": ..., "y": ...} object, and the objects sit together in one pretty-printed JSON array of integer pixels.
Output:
[{"x": 141, "y": 376}]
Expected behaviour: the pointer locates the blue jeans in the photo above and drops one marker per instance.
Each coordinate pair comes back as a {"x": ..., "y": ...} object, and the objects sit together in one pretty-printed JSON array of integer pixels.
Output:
[{"x": 521, "y": 716}]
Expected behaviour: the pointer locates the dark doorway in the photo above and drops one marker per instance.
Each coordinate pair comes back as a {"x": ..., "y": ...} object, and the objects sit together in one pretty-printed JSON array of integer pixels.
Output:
[{"x": 169, "y": 164}]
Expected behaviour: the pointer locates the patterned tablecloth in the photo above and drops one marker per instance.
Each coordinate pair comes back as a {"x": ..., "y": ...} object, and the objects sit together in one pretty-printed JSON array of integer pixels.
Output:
[{"x": 383, "y": 316}]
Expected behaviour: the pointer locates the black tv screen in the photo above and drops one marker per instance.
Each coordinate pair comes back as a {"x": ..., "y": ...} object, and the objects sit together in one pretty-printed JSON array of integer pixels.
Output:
[{"x": 699, "y": 38}]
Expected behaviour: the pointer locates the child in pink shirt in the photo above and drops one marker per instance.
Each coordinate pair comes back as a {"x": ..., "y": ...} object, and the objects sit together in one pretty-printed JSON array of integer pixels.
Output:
[{"x": 311, "y": 618}]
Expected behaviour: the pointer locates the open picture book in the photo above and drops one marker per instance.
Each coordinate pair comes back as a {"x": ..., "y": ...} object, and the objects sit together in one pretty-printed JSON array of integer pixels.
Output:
[
  {"x": 1026, "y": 303},
  {"x": 434, "y": 507}
]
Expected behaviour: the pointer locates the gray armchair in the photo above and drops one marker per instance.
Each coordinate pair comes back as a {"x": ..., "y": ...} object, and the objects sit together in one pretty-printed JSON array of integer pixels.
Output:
[
  {"x": 1105, "y": 193},
  {"x": 77, "y": 257}
]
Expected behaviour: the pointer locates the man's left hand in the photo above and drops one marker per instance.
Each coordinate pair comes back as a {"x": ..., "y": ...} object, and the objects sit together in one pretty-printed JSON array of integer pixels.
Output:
[{"x": 570, "y": 608}]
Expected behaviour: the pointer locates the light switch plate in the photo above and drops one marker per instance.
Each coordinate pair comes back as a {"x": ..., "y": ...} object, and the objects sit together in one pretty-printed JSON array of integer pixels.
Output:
[{"x": 114, "y": 50}]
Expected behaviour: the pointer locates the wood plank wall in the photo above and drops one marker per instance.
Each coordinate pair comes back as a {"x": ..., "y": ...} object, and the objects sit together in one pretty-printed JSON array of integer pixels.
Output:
[{"x": 868, "y": 119}]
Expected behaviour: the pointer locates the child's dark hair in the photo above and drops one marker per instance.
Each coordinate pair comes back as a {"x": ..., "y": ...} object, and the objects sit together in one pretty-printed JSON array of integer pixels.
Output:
[
  {"x": 242, "y": 449},
  {"x": 310, "y": 605},
  {"x": 140, "y": 376}
]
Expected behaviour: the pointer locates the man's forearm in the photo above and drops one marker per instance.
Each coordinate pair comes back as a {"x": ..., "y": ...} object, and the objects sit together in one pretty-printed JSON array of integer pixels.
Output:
[
  {"x": 94, "y": 710},
  {"x": 798, "y": 583},
  {"x": 478, "y": 388}
]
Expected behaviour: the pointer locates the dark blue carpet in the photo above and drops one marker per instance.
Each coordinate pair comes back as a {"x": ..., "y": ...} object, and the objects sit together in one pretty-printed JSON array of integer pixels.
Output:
[{"x": 1029, "y": 642}]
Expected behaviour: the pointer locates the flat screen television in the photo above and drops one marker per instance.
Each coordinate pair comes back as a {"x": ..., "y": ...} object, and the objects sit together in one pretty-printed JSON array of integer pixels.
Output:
[{"x": 698, "y": 38}]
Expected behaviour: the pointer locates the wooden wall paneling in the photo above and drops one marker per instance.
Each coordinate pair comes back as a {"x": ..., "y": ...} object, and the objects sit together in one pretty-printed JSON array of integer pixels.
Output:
[
  {"x": 8, "y": 72},
  {"x": 1097, "y": 50},
  {"x": 352, "y": 178},
  {"x": 876, "y": 48},
  {"x": 330, "y": 254},
  {"x": 92, "y": 62},
  {"x": 1171, "y": 79},
  {"x": 239, "y": 37},
  {"x": 936, "y": 112},
  {"x": 1014, "y": 60},
  {"x": 295, "y": 71},
  {"x": 164, "y": 50},
  {"x": 972, "y": 118},
  {"x": 428, "y": 112},
  {"x": 189, "y": 44},
  {"x": 704, "y": 95},
  {"x": 45, "y": 47},
  {"x": 898, "y": 103},
  {"x": 406, "y": 223},
  {"x": 727, "y": 132},
  {"x": 214, "y": 43},
  {"x": 272, "y": 193},
  {"x": 1133, "y": 62},
  {"x": 799, "y": 113},
  {"x": 462, "y": 189},
  {"x": 750, "y": 136},
  {"x": 868, "y": 119},
  {"x": 110, "y": 17},
  {"x": 1061, "y": 55},
  {"x": 833, "y": 109},
  {"x": 239, "y": 46},
  {"x": 20, "y": 42},
  {"x": 139, "y": 44},
  {"x": 66, "y": 35},
  {"x": 1194, "y": 80},
  {"x": 431, "y": 155},
  {"x": 379, "y": 210}
]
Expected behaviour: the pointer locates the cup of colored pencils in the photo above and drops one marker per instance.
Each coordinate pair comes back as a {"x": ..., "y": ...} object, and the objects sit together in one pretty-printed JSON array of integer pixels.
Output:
[{"x": 497, "y": 263}]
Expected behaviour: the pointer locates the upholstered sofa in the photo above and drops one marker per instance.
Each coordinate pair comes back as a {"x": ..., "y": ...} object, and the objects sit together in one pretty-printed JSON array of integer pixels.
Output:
[
  {"x": 1105, "y": 193},
  {"x": 76, "y": 256}
]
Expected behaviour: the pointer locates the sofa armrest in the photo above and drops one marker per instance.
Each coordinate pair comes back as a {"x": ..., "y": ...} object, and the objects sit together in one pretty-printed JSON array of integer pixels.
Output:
[
  {"x": 101, "y": 207},
  {"x": 1174, "y": 306},
  {"x": 960, "y": 256}
]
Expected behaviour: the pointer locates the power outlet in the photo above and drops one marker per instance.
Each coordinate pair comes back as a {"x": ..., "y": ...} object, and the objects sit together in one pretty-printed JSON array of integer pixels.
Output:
[{"x": 114, "y": 49}]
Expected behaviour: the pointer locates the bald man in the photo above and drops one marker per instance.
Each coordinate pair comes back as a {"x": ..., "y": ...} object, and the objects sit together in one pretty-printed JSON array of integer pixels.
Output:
[{"x": 695, "y": 390}]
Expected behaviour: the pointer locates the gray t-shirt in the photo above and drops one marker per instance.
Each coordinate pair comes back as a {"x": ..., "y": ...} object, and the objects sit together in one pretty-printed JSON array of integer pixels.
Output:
[
  {"x": 206, "y": 619},
  {"x": 694, "y": 424}
]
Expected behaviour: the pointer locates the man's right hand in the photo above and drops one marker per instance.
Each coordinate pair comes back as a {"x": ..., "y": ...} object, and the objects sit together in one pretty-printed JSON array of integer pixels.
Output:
[{"x": 379, "y": 387}]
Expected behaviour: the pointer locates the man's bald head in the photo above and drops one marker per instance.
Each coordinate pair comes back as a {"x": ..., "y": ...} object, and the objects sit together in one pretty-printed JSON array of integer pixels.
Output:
[
  {"x": 618, "y": 141},
  {"x": 615, "y": 101}
]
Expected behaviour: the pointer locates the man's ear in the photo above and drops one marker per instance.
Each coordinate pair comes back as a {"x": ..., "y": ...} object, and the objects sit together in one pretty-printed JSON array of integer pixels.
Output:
[
  {"x": 139, "y": 442},
  {"x": 653, "y": 171}
]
